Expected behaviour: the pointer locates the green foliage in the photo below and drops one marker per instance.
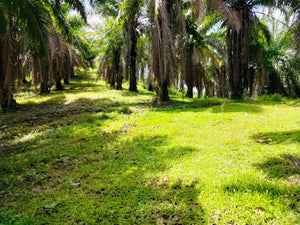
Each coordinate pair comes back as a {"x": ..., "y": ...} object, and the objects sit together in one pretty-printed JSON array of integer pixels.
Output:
[
  {"x": 75, "y": 22},
  {"x": 270, "y": 98},
  {"x": 191, "y": 29}
]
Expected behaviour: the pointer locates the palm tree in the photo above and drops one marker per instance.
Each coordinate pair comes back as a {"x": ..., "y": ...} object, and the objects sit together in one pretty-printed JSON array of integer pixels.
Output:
[
  {"x": 126, "y": 15},
  {"x": 239, "y": 45},
  {"x": 131, "y": 11},
  {"x": 32, "y": 19},
  {"x": 294, "y": 7},
  {"x": 282, "y": 59},
  {"x": 30, "y": 16},
  {"x": 169, "y": 27},
  {"x": 110, "y": 64}
]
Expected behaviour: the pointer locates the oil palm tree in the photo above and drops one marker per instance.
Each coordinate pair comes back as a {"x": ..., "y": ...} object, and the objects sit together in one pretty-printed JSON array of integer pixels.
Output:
[
  {"x": 32, "y": 19},
  {"x": 239, "y": 44},
  {"x": 126, "y": 14},
  {"x": 168, "y": 28}
]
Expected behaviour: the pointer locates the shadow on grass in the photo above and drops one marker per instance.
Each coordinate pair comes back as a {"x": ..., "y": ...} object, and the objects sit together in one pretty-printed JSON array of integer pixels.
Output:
[
  {"x": 127, "y": 93},
  {"x": 287, "y": 137},
  {"x": 213, "y": 104},
  {"x": 238, "y": 107},
  {"x": 263, "y": 189},
  {"x": 54, "y": 113},
  {"x": 113, "y": 181},
  {"x": 279, "y": 167}
]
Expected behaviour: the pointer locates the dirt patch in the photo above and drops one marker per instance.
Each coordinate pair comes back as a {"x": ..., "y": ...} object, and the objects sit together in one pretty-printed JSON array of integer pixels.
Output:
[{"x": 61, "y": 166}]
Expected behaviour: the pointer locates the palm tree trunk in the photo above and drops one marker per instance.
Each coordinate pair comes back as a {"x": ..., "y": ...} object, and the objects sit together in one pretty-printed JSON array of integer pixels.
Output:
[
  {"x": 199, "y": 74},
  {"x": 72, "y": 73},
  {"x": 2, "y": 78},
  {"x": 117, "y": 67},
  {"x": 45, "y": 77},
  {"x": 119, "y": 81},
  {"x": 6, "y": 97},
  {"x": 163, "y": 91},
  {"x": 112, "y": 79},
  {"x": 67, "y": 70},
  {"x": 234, "y": 61},
  {"x": 189, "y": 78},
  {"x": 133, "y": 54},
  {"x": 58, "y": 85},
  {"x": 223, "y": 82}
]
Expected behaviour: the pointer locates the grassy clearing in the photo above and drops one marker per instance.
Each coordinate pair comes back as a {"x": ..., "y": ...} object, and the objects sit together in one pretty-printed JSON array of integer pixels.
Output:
[{"x": 90, "y": 155}]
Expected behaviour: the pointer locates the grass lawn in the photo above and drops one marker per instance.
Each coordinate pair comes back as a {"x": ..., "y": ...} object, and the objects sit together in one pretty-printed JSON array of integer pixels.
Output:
[{"x": 91, "y": 155}]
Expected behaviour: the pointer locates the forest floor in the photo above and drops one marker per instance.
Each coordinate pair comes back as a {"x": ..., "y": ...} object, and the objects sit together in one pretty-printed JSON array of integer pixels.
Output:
[{"x": 91, "y": 155}]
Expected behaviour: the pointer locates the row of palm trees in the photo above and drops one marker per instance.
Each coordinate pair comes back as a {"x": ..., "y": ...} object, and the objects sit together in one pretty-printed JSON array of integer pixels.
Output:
[
  {"x": 219, "y": 47},
  {"x": 35, "y": 39},
  {"x": 186, "y": 50}
]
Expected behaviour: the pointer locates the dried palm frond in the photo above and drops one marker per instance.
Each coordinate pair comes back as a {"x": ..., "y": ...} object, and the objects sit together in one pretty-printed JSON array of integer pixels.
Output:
[
  {"x": 233, "y": 18},
  {"x": 198, "y": 8},
  {"x": 297, "y": 33}
]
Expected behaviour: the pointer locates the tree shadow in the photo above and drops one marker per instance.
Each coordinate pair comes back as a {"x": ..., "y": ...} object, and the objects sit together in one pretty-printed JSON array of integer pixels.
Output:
[
  {"x": 264, "y": 189},
  {"x": 129, "y": 185},
  {"x": 127, "y": 93},
  {"x": 54, "y": 113},
  {"x": 279, "y": 167},
  {"x": 238, "y": 107},
  {"x": 213, "y": 104},
  {"x": 287, "y": 137},
  {"x": 118, "y": 181}
]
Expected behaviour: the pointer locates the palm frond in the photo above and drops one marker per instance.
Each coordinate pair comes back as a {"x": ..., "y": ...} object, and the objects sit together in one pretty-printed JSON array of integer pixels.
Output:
[
  {"x": 34, "y": 17},
  {"x": 229, "y": 14},
  {"x": 77, "y": 5}
]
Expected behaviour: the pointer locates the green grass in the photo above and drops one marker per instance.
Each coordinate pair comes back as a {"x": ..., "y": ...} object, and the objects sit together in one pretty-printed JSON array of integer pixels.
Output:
[{"x": 91, "y": 155}]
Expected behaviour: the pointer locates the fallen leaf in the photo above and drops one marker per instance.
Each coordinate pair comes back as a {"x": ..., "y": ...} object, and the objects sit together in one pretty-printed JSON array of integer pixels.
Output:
[
  {"x": 260, "y": 141},
  {"x": 75, "y": 184},
  {"x": 259, "y": 210}
]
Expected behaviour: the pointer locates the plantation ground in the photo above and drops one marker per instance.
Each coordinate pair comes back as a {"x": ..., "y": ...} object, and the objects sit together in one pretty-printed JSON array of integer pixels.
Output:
[{"x": 90, "y": 155}]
